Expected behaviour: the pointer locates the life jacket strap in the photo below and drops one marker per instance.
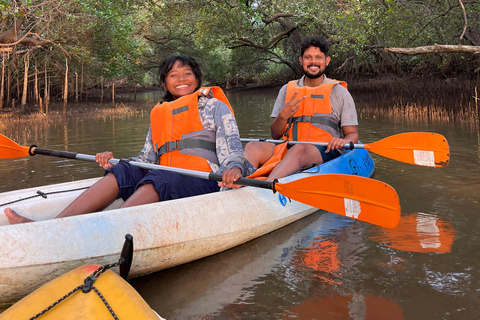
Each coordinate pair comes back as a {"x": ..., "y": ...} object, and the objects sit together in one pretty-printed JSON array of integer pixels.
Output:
[
  {"x": 170, "y": 146},
  {"x": 285, "y": 134},
  {"x": 317, "y": 119}
]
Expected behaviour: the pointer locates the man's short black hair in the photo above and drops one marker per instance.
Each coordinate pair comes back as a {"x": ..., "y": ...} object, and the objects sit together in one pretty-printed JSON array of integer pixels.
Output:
[{"x": 317, "y": 42}]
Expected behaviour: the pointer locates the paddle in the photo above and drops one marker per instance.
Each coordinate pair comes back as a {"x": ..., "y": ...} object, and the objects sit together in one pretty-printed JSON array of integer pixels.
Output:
[
  {"x": 127, "y": 256},
  {"x": 352, "y": 196},
  {"x": 419, "y": 148}
]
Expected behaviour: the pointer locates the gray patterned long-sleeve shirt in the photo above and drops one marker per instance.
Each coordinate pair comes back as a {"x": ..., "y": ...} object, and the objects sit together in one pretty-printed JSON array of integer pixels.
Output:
[{"x": 217, "y": 117}]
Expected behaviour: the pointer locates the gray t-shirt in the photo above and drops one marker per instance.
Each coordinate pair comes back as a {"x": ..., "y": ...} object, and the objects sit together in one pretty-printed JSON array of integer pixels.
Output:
[{"x": 343, "y": 106}]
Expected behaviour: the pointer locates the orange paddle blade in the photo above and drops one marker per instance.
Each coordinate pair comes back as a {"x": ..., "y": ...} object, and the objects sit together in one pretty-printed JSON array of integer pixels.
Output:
[
  {"x": 9, "y": 149},
  {"x": 352, "y": 196},
  {"x": 419, "y": 148}
]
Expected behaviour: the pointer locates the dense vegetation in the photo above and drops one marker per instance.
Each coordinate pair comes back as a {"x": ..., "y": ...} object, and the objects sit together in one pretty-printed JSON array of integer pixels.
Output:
[{"x": 106, "y": 43}]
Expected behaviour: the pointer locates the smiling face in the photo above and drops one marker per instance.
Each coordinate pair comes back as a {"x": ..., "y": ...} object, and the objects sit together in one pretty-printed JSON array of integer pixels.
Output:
[
  {"x": 180, "y": 80},
  {"x": 314, "y": 62}
]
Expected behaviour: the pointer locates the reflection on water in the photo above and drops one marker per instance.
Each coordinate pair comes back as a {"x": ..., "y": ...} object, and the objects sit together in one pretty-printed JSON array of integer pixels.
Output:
[
  {"x": 354, "y": 306},
  {"x": 419, "y": 232},
  {"x": 320, "y": 256},
  {"x": 325, "y": 266}
]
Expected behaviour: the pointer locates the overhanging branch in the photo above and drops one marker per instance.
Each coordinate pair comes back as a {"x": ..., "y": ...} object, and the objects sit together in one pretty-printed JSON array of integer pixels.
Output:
[
  {"x": 245, "y": 42},
  {"x": 437, "y": 48},
  {"x": 276, "y": 17}
]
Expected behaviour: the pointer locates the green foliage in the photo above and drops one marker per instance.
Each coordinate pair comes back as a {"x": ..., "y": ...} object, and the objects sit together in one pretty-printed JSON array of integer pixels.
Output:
[
  {"x": 243, "y": 42},
  {"x": 108, "y": 26}
]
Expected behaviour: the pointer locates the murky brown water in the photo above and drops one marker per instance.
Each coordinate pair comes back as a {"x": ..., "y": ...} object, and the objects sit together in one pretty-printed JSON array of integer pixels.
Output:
[{"x": 324, "y": 266}]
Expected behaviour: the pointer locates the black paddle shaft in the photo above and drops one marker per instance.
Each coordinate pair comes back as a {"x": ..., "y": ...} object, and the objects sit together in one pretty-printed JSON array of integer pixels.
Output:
[
  {"x": 54, "y": 153},
  {"x": 246, "y": 181},
  {"x": 203, "y": 175}
]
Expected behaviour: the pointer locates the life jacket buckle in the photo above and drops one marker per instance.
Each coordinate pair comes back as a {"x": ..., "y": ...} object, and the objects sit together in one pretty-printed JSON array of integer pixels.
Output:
[{"x": 172, "y": 145}]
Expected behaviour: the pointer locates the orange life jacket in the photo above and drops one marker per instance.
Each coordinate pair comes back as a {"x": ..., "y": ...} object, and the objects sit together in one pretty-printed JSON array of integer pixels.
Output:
[
  {"x": 178, "y": 135},
  {"x": 314, "y": 120},
  {"x": 278, "y": 155}
]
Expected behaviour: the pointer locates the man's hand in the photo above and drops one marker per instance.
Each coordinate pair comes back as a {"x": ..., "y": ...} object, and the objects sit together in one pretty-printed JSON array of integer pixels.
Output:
[
  {"x": 350, "y": 134},
  {"x": 336, "y": 143},
  {"x": 277, "y": 128},
  {"x": 291, "y": 107}
]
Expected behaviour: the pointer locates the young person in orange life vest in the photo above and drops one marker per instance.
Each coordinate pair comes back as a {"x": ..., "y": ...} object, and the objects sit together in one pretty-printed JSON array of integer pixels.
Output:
[
  {"x": 207, "y": 134},
  {"x": 313, "y": 108}
]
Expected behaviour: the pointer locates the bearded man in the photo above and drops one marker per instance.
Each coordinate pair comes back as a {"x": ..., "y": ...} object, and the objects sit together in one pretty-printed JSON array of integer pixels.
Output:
[{"x": 313, "y": 108}]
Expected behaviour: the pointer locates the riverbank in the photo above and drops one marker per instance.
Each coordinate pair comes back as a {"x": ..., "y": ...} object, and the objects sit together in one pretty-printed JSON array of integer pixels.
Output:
[{"x": 456, "y": 96}]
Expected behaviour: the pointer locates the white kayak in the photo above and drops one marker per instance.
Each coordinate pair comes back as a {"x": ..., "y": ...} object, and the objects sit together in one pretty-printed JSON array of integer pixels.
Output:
[{"x": 166, "y": 234}]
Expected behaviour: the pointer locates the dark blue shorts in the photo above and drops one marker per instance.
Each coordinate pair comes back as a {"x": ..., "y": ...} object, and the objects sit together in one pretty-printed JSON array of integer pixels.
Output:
[
  {"x": 332, "y": 154},
  {"x": 169, "y": 185}
]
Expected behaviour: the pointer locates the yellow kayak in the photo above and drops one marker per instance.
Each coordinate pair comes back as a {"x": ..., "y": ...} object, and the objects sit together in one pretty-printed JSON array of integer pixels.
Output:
[{"x": 88, "y": 292}]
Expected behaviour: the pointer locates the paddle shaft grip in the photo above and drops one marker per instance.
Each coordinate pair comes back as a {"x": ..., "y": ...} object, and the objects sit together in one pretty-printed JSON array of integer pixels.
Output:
[
  {"x": 245, "y": 181},
  {"x": 66, "y": 155},
  {"x": 54, "y": 153}
]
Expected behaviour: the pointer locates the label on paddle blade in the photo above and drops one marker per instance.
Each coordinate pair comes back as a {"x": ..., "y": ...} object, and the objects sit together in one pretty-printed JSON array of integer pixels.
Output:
[
  {"x": 352, "y": 208},
  {"x": 424, "y": 158}
]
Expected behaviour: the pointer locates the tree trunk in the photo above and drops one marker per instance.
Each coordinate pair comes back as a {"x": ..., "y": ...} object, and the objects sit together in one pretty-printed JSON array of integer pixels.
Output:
[
  {"x": 46, "y": 93},
  {"x": 40, "y": 104},
  {"x": 25, "y": 82},
  {"x": 35, "y": 90},
  {"x": 477, "y": 115},
  {"x": 76, "y": 86},
  {"x": 3, "y": 81},
  {"x": 101, "y": 98},
  {"x": 9, "y": 84},
  {"x": 65, "y": 90},
  {"x": 81, "y": 83},
  {"x": 113, "y": 93},
  {"x": 18, "y": 85}
]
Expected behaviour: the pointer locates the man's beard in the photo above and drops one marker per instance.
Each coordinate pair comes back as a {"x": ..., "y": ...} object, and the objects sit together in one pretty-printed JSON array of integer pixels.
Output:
[{"x": 316, "y": 75}]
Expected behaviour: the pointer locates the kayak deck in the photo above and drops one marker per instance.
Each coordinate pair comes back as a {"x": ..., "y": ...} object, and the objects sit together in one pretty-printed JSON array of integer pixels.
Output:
[{"x": 119, "y": 299}]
